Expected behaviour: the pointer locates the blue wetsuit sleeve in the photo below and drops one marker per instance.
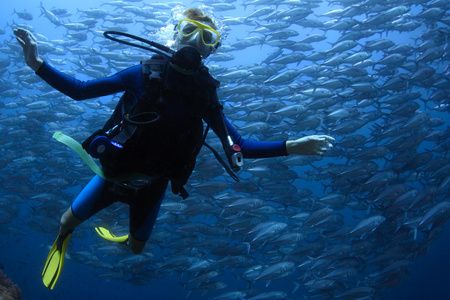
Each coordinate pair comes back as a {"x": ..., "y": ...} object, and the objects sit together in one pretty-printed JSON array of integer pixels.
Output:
[
  {"x": 253, "y": 148},
  {"x": 80, "y": 90},
  {"x": 215, "y": 118}
]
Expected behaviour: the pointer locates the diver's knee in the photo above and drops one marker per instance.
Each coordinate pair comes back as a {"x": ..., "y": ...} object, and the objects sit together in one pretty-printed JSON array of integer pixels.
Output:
[
  {"x": 69, "y": 221},
  {"x": 136, "y": 246}
]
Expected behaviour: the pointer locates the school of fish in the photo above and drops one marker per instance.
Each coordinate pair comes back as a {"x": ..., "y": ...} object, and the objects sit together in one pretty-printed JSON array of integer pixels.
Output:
[{"x": 373, "y": 74}]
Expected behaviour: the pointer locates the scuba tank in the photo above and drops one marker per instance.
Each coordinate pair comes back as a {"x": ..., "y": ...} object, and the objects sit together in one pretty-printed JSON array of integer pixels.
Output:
[{"x": 111, "y": 143}]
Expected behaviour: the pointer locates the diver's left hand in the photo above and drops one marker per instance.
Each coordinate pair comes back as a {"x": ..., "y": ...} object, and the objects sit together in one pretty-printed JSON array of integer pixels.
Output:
[
  {"x": 29, "y": 46},
  {"x": 310, "y": 145}
]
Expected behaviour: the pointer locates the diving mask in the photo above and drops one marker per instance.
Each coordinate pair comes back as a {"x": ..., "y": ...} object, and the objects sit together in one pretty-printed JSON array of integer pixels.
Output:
[{"x": 198, "y": 35}]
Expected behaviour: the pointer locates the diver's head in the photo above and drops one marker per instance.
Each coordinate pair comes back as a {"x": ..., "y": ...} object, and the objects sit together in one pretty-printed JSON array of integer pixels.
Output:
[{"x": 197, "y": 30}]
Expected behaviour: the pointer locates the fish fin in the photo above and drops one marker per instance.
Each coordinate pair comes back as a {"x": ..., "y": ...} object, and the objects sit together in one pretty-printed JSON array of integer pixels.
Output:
[{"x": 248, "y": 247}]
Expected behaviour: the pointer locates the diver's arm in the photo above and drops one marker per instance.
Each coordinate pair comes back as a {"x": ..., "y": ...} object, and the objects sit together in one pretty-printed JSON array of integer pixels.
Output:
[
  {"x": 307, "y": 145},
  {"x": 215, "y": 119},
  {"x": 66, "y": 84},
  {"x": 80, "y": 90},
  {"x": 249, "y": 148},
  {"x": 256, "y": 149},
  {"x": 29, "y": 45}
]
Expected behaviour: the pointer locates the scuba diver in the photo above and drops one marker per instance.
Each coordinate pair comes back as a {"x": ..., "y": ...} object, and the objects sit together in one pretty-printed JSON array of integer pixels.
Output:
[{"x": 154, "y": 134}]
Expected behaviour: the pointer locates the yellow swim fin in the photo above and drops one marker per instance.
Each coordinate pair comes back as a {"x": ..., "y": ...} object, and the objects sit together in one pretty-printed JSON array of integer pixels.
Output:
[
  {"x": 107, "y": 235},
  {"x": 55, "y": 261}
]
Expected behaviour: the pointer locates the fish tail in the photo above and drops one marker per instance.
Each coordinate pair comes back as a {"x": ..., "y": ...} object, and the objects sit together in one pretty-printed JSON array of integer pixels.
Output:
[
  {"x": 248, "y": 247},
  {"x": 43, "y": 10}
]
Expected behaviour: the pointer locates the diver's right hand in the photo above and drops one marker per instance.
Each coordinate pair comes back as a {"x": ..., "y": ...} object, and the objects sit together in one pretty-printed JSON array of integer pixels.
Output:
[
  {"x": 29, "y": 46},
  {"x": 310, "y": 145}
]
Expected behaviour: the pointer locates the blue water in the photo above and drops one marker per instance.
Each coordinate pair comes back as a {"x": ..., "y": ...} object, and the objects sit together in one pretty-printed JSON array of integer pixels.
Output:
[{"x": 429, "y": 277}]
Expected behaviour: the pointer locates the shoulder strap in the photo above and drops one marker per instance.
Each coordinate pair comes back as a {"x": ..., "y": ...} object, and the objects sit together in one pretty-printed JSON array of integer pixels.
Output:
[
  {"x": 154, "y": 67},
  {"x": 117, "y": 115},
  {"x": 151, "y": 69},
  {"x": 208, "y": 77}
]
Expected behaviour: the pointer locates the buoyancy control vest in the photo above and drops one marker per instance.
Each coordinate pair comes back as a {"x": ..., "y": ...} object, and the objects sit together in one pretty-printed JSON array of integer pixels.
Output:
[{"x": 161, "y": 133}]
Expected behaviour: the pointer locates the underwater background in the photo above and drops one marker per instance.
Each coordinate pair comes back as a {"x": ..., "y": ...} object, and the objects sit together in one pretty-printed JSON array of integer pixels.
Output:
[{"x": 366, "y": 221}]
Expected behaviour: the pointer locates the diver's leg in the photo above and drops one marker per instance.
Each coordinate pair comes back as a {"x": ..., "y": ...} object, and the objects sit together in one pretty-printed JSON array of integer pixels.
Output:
[
  {"x": 95, "y": 196},
  {"x": 143, "y": 213},
  {"x": 68, "y": 222},
  {"x": 136, "y": 246}
]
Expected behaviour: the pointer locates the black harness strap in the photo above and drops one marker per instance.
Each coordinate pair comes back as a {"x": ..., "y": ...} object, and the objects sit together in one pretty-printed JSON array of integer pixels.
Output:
[
  {"x": 152, "y": 70},
  {"x": 219, "y": 158}
]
